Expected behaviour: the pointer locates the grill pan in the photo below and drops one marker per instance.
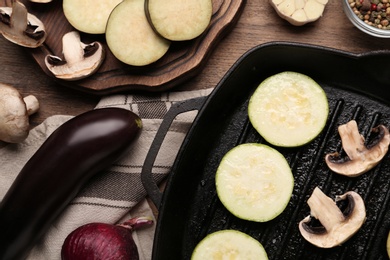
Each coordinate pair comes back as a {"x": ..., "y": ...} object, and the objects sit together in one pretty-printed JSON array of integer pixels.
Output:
[{"x": 357, "y": 87}]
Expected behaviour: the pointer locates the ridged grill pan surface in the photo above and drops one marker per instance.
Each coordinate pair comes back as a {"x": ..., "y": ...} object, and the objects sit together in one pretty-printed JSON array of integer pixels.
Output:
[{"x": 356, "y": 89}]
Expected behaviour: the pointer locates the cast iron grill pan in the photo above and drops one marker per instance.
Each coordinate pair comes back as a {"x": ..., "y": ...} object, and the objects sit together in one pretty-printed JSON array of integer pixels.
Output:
[{"x": 190, "y": 209}]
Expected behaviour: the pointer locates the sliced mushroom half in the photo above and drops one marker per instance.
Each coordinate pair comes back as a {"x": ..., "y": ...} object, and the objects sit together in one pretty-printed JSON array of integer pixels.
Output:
[
  {"x": 21, "y": 27},
  {"x": 329, "y": 225},
  {"x": 360, "y": 157},
  {"x": 80, "y": 59}
]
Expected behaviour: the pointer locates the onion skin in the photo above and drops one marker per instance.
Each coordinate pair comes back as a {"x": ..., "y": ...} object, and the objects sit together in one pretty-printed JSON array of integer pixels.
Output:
[
  {"x": 100, "y": 241},
  {"x": 71, "y": 155}
]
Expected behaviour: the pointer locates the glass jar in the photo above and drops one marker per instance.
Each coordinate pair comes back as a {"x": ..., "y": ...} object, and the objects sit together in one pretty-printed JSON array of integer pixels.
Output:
[{"x": 361, "y": 25}]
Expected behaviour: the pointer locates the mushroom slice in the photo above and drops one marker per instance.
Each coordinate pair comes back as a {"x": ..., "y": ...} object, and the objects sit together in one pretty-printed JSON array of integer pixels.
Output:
[
  {"x": 335, "y": 225},
  {"x": 20, "y": 27},
  {"x": 80, "y": 59},
  {"x": 14, "y": 114},
  {"x": 360, "y": 157}
]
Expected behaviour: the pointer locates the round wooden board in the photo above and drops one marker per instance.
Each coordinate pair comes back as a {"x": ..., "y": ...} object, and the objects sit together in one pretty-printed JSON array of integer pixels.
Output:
[{"x": 182, "y": 61}]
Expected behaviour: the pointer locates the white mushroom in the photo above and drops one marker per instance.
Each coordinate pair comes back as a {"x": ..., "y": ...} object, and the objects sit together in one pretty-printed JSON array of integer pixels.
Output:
[
  {"x": 21, "y": 27},
  {"x": 14, "y": 114},
  {"x": 336, "y": 225},
  {"x": 80, "y": 59},
  {"x": 360, "y": 157}
]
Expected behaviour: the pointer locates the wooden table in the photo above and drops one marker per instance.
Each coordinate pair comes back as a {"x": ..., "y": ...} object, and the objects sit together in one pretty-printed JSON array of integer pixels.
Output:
[{"x": 258, "y": 24}]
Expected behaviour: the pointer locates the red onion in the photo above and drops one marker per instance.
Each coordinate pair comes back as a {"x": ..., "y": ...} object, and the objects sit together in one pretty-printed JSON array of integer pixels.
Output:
[{"x": 103, "y": 241}]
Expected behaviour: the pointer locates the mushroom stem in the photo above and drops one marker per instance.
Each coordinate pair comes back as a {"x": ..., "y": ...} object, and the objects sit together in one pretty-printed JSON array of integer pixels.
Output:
[
  {"x": 353, "y": 141},
  {"x": 32, "y": 104},
  {"x": 72, "y": 48},
  {"x": 19, "y": 17},
  {"x": 324, "y": 209}
]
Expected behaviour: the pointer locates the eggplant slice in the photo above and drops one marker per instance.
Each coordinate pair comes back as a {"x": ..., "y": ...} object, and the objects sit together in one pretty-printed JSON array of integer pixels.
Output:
[{"x": 356, "y": 89}]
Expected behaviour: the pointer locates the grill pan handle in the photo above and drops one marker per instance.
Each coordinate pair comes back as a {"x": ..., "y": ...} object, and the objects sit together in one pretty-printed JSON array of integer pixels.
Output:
[{"x": 146, "y": 174}]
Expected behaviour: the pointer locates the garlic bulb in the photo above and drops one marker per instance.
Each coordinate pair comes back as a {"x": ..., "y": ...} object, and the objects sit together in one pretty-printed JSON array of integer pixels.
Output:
[{"x": 299, "y": 12}]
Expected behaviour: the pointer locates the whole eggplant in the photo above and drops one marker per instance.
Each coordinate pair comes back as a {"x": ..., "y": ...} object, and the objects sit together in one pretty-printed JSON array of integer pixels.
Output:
[{"x": 71, "y": 155}]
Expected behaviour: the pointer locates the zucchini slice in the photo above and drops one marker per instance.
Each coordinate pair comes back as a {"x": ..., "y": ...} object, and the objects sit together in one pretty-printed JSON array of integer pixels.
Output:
[
  {"x": 254, "y": 182},
  {"x": 388, "y": 244},
  {"x": 229, "y": 244},
  {"x": 288, "y": 109}
]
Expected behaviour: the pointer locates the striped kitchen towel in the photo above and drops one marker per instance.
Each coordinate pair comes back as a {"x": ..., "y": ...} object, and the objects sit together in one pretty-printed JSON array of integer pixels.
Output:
[{"x": 117, "y": 193}]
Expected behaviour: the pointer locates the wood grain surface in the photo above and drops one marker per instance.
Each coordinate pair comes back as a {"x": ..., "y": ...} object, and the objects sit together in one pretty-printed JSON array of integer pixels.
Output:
[{"x": 258, "y": 24}]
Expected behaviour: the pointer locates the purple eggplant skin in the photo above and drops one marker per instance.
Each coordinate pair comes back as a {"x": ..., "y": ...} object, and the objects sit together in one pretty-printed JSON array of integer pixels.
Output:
[{"x": 77, "y": 150}]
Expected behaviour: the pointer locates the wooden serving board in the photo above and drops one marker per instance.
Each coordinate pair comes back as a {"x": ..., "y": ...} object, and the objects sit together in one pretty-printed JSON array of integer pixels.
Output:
[{"x": 182, "y": 61}]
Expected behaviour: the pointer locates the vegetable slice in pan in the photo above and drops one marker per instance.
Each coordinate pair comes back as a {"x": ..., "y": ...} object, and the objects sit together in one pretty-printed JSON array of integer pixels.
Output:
[
  {"x": 388, "y": 244},
  {"x": 360, "y": 157},
  {"x": 288, "y": 109},
  {"x": 229, "y": 244},
  {"x": 254, "y": 182},
  {"x": 336, "y": 225}
]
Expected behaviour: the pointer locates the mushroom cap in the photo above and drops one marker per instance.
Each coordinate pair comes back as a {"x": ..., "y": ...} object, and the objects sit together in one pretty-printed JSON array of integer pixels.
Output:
[{"x": 14, "y": 120}]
